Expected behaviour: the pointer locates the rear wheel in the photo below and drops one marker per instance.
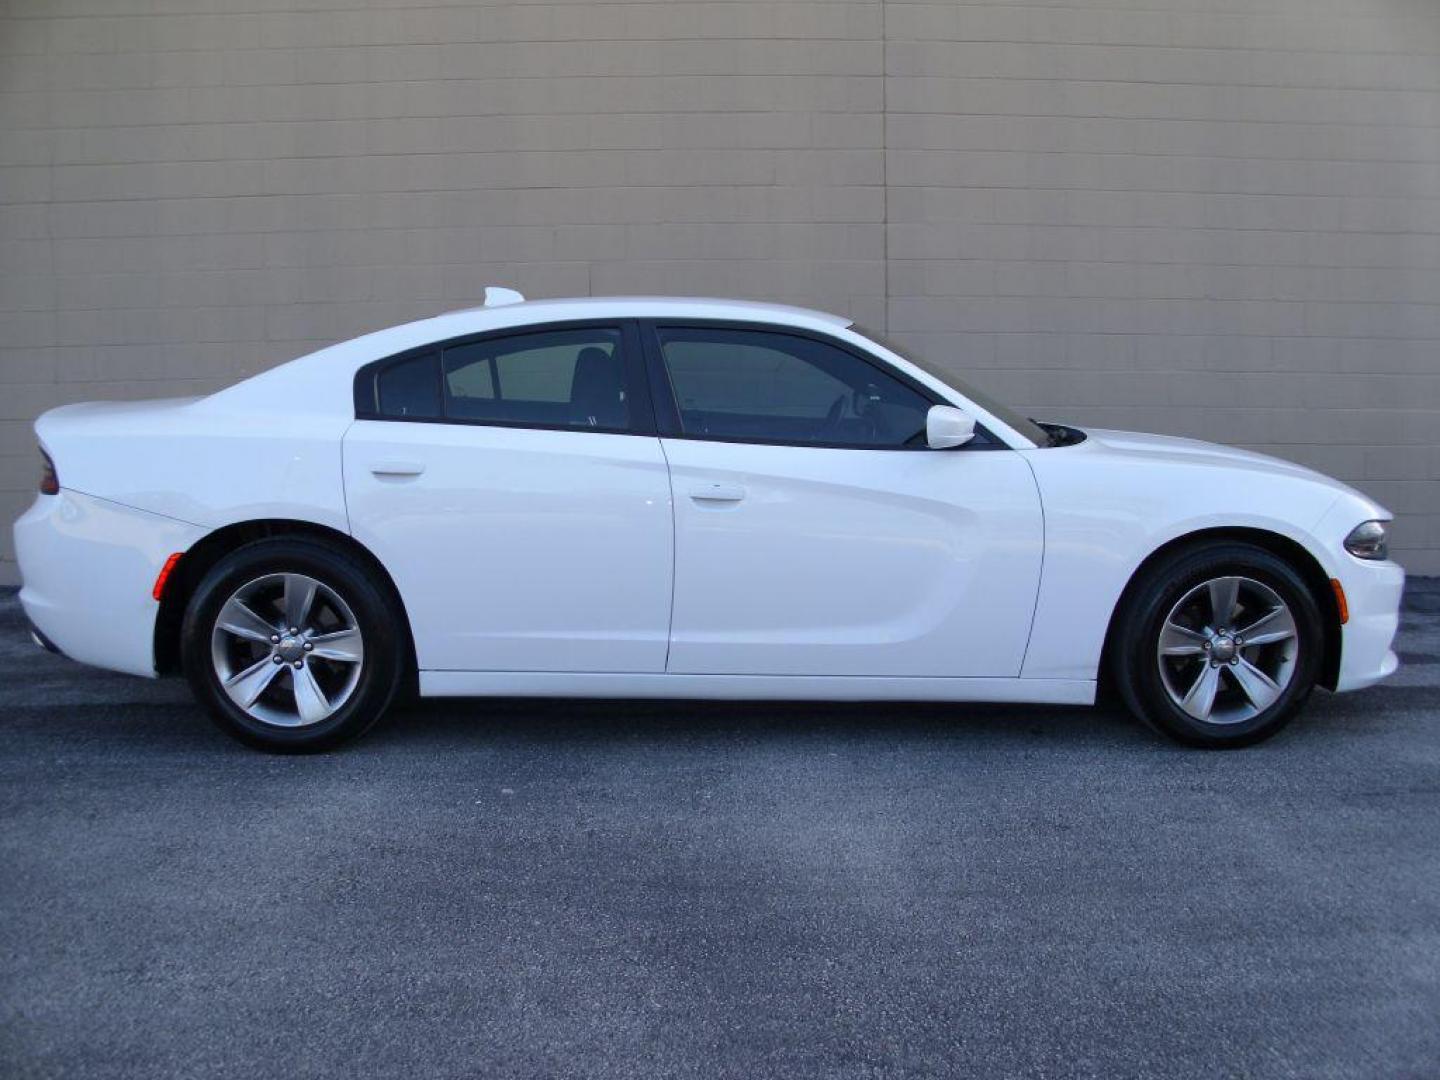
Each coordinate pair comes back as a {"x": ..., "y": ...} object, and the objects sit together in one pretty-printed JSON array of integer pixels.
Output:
[
  {"x": 1219, "y": 645},
  {"x": 292, "y": 645}
]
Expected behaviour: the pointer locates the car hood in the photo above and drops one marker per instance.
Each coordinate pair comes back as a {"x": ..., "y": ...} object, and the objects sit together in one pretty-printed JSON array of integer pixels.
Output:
[
  {"x": 1197, "y": 452},
  {"x": 1135, "y": 445}
]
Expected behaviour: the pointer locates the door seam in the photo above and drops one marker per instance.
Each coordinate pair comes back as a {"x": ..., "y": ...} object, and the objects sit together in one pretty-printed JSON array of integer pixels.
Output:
[
  {"x": 674, "y": 552},
  {"x": 1040, "y": 571},
  {"x": 344, "y": 483}
]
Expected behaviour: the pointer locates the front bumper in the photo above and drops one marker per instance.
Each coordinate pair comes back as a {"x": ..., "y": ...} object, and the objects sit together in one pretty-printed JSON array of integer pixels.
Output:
[
  {"x": 88, "y": 566},
  {"x": 1372, "y": 592}
]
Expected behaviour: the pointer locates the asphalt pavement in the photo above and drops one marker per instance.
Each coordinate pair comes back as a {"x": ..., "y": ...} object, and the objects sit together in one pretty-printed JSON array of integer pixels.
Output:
[{"x": 662, "y": 889}]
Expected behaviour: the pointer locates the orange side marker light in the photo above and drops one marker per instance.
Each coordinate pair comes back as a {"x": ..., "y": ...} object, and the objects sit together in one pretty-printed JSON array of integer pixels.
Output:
[
  {"x": 1340, "y": 603},
  {"x": 165, "y": 571}
]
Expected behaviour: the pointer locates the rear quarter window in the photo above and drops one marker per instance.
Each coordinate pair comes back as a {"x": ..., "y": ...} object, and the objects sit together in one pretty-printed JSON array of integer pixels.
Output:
[{"x": 409, "y": 389}]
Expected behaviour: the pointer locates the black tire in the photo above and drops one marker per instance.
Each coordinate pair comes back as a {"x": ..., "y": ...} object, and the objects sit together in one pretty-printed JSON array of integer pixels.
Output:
[
  {"x": 1136, "y": 657},
  {"x": 376, "y": 615}
]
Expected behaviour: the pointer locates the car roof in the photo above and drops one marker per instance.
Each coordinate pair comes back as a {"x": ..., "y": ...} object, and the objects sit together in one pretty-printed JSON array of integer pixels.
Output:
[
  {"x": 322, "y": 382},
  {"x": 693, "y": 307}
]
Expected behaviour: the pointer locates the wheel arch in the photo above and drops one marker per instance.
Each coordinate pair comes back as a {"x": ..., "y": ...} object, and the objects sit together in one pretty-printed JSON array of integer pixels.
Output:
[
  {"x": 214, "y": 546},
  {"x": 1279, "y": 545}
]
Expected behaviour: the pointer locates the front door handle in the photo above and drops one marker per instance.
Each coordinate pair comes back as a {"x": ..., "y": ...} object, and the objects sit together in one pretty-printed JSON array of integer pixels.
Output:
[
  {"x": 397, "y": 468},
  {"x": 717, "y": 492}
]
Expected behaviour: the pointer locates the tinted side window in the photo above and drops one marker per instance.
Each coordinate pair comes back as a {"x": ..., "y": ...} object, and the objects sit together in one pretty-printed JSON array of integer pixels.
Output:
[
  {"x": 410, "y": 389},
  {"x": 555, "y": 378},
  {"x": 766, "y": 386}
]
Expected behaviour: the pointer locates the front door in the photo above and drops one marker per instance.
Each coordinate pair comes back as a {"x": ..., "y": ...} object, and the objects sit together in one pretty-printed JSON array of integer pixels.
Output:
[
  {"x": 526, "y": 527},
  {"x": 815, "y": 535}
]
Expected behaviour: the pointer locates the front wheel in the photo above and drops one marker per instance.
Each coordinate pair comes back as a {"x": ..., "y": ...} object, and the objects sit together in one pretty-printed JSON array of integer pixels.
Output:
[
  {"x": 1219, "y": 645},
  {"x": 292, "y": 645}
]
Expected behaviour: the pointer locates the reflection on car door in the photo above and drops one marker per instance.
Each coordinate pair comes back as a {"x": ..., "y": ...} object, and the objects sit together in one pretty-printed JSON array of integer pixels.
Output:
[
  {"x": 525, "y": 528},
  {"x": 810, "y": 541}
]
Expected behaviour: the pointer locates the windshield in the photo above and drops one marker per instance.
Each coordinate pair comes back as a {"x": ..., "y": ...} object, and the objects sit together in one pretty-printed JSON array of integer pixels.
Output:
[{"x": 1026, "y": 427}]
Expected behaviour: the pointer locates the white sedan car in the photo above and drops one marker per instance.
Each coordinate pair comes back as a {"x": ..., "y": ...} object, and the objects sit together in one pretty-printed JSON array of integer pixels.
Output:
[{"x": 685, "y": 499}]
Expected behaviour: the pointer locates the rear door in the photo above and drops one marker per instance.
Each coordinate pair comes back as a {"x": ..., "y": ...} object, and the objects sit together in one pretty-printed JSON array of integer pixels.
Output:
[
  {"x": 815, "y": 532},
  {"x": 515, "y": 489}
]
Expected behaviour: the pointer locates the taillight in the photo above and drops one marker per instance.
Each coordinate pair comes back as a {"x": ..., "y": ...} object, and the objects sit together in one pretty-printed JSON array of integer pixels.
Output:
[{"x": 49, "y": 479}]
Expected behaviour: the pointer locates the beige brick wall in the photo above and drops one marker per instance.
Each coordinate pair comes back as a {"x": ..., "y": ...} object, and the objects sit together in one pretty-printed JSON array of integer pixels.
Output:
[{"x": 1211, "y": 217}]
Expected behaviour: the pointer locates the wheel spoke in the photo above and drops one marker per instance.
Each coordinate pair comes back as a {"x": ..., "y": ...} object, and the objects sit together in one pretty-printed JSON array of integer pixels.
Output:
[
  {"x": 1276, "y": 625},
  {"x": 1258, "y": 688},
  {"x": 343, "y": 645},
  {"x": 237, "y": 619},
  {"x": 1239, "y": 616},
  {"x": 325, "y": 630},
  {"x": 1224, "y": 595},
  {"x": 299, "y": 596},
  {"x": 310, "y": 700},
  {"x": 247, "y": 686},
  {"x": 1199, "y": 701},
  {"x": 1177, "y": 640}
]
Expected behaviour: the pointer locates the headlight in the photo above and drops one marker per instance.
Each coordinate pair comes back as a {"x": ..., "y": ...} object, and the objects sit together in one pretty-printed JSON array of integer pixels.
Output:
[{"x": 1368, "y": 541}]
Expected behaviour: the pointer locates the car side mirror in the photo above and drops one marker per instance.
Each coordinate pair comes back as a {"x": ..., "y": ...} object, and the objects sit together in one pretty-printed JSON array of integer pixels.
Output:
[{"x": 947, "y": 426}]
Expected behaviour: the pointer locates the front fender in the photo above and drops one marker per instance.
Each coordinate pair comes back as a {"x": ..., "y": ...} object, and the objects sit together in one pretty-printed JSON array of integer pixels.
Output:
[{"x": 1105, "y": 516}]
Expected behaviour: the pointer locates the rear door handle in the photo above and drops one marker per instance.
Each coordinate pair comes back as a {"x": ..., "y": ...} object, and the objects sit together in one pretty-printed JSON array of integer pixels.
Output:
[
  {"x": 717, "y": 492},
  {"x": 397, "y": 468}
]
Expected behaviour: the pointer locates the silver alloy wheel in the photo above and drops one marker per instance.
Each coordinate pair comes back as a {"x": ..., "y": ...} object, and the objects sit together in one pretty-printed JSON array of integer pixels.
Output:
[
  {"x": 1227, "y": 650},
  {"x": 287, "y": 650}
]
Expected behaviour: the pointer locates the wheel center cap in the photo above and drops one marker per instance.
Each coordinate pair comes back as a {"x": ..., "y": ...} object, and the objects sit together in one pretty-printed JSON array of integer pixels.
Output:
[
  {"x": 1222, "y": 647},
  {"x": 290, "y": 648}
]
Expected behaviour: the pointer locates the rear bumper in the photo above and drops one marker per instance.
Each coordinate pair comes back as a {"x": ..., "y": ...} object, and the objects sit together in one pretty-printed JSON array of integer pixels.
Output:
[{"x": 88, "y": 567}]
